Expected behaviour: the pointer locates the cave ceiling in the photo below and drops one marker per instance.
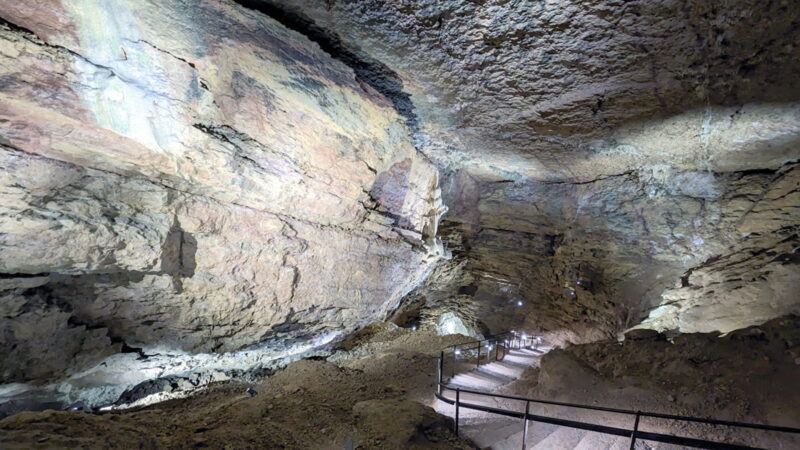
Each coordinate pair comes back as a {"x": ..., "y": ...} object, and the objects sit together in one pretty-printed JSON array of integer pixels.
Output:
[
  {"x": 597, "y": 154},
  {"x": 575, "y": 91}
]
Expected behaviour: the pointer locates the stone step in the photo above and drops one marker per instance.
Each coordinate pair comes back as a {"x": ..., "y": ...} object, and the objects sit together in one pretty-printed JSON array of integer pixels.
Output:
[
  {"x": 496, "y": 432},
  {"x": 562, "y": 437},
  {"x": 537, "y": 432},
  {"x": 600, "y": 441}
]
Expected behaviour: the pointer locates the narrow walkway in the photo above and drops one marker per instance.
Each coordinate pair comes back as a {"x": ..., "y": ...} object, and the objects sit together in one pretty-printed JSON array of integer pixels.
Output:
[
  {"x": 500, "y": 433},
  {"x": 486, "y": 430},
  {"x": 503, "y": 427}
]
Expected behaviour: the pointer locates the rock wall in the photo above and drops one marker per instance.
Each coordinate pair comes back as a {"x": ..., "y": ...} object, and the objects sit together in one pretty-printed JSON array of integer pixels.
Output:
[
  {"x": 687, "y": 251},
  {"x": 184, "y": 179},
  {"x": 622, "y": 145},
  {"x": 193, "y": 177}
]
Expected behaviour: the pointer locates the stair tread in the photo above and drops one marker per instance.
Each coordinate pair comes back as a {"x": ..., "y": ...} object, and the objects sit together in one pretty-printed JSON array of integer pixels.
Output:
[
  {"x": 563, "y": 437},
  {"x": 537, "y": 432},
  {"x": 497, "y": 432},
  {"x": 600, "y": 441}
]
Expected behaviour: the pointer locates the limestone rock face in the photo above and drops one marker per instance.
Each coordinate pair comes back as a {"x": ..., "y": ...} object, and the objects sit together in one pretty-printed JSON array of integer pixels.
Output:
[
  {"x": 600, "y": 155},
  {"x": 696, "y": 251},
  {"x": 193, "y": 177},
  {"x": 579, "y": 89}
]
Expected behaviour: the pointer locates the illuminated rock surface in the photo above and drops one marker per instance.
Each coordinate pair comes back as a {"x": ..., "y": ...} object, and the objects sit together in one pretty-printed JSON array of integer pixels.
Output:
[
  {"x": 198, "y": 191},
  {"x": 193, "y": 179},
  {"x": 646, "y": 150}
]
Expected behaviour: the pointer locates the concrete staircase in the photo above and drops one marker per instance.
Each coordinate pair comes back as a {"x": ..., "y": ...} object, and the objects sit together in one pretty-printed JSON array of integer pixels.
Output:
[
  {"x": 501, "y": 433},
  {"x": 497, "y": 431}
]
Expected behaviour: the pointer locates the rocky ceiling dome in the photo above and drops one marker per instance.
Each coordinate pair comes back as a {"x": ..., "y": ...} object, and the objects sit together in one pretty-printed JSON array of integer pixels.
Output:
[
  {"x": 576, "y": 90},
  {"x": 214, "y": 187}
]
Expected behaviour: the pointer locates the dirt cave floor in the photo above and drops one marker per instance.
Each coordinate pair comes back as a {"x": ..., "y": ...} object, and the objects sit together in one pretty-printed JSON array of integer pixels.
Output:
[{"x": 374, "y": 393}]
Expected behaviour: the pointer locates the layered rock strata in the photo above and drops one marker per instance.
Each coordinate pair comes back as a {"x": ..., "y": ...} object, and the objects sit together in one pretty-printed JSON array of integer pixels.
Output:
[{"x": 183, "y": 178}]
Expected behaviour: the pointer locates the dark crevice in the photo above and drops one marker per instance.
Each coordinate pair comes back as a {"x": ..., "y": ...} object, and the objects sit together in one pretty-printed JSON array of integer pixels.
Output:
[
  {"x": 367, "y": 70},
  {"x": 623, "y": 174},
  {"x": 8, "y": 276},
  {"x": 128, "y": 349},
  {"x": 15, "y": 27}
]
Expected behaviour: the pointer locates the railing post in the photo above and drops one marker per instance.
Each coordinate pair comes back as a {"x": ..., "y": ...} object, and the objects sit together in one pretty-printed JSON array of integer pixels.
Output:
[
  {"x": 458, "y": 402},
  {"x": 479, "y": 356},
  {"x": 440, "y": 374},
  {"x": 496, "y": 349},
  {"x": 525, "y": 424},
  {"x": 453, "y": 375},
  {"x": 635, "y": 429}
]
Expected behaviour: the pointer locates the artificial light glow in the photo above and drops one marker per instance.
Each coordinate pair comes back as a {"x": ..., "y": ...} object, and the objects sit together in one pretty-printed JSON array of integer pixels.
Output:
[
  {"x": 519, "y": 302},
  {"x": 524, "y": 336},
  {"x": 457, "y": 352},
  {"x": 413, "y": 328}
]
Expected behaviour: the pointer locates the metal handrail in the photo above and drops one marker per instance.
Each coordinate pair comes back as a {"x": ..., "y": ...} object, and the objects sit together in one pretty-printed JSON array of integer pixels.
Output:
[
  {"x": 500, "y": 340},
  {"x": 634, "y": 433}
]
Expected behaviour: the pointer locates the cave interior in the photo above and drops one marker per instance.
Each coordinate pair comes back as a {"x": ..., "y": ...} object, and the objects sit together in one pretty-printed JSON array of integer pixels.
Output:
[{"x": 216, "y": 216}]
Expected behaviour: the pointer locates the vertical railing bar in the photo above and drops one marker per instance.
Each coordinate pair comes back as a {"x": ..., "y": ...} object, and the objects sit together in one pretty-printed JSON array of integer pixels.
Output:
[
  {"x": 525, "y": 424},
  {"x": 454, "y": 364},
  {"x": 635, "y": 429},
  {"x": 458, "y": 401},
  {"x": 440, "y": 366}
]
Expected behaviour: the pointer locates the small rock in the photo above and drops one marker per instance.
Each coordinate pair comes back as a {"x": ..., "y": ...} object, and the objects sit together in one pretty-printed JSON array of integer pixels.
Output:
[{"x": 641, "y": 334}]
